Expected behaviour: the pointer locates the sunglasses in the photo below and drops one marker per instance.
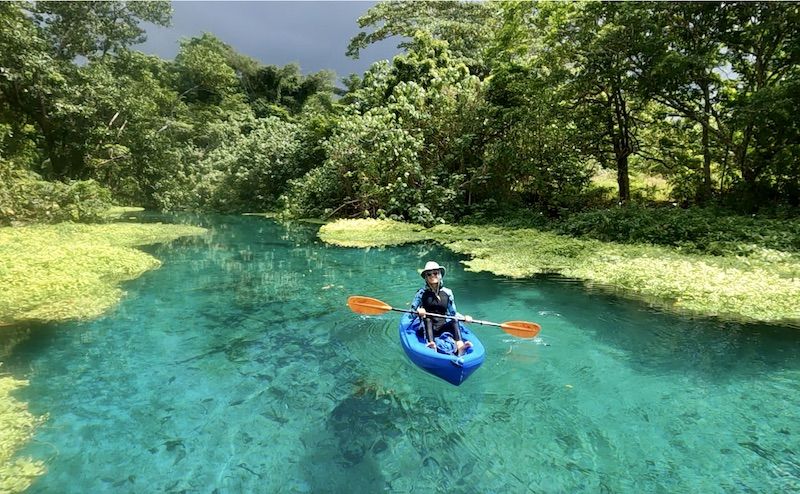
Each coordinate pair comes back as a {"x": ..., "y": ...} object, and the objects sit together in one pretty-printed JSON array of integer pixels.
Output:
[{"x": 431, "y": 273}]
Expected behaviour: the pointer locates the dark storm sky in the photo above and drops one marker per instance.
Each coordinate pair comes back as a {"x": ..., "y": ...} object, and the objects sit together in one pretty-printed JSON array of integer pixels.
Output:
[{"x": 314, "y": 34}]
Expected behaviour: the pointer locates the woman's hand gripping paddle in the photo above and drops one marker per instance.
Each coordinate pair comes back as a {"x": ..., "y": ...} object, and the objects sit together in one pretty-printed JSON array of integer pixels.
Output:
[{"x": 373, "y": 307}]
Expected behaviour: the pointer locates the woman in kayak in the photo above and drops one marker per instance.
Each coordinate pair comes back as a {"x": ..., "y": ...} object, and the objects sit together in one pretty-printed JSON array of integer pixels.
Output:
[{"x": 434, "y": 298}]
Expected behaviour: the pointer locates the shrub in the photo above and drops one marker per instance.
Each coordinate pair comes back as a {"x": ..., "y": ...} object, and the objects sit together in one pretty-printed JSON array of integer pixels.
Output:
[
  {"x": 708, "y": 230},
  {"x": 25, "y": 198},
  {"x": 248, "y": 173}
]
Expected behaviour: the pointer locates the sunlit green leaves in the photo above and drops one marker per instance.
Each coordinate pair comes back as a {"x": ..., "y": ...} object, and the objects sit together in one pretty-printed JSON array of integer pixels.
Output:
[
  {"x": 465, "y": 26},
  {"x": 203, "y": 72},
  {"x": 96, "y": 28},
  {"x": 25, "y": 198},
  {"x": 406, "y": 145}
]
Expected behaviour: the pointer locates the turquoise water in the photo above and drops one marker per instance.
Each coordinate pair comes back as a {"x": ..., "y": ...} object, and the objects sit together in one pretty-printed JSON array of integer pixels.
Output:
[{"x": 237, "y": 367}]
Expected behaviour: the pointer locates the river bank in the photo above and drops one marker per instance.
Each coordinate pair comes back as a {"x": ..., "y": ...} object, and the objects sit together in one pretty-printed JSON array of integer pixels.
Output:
[
  {"x": 61, "y": 272},
  {"x": 763, "y": 286}
]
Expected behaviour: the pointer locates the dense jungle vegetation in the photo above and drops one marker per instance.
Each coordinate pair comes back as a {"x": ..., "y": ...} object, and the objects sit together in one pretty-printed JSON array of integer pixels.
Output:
[{"x": 490, "y": 112}]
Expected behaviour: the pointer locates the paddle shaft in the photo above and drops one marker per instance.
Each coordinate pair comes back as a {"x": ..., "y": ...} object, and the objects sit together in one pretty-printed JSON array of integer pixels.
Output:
[
  {"x": 373, "y": 307},
  {"x": 462, "y": 319}
]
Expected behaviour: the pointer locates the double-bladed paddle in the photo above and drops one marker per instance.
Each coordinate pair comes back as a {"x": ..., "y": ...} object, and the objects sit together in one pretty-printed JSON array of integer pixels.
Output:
[{"x": 373, "y": 307}]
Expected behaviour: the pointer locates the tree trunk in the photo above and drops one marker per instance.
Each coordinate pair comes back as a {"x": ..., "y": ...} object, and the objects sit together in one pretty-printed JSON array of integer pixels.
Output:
[
  {"x": 705, "y": 192},
  {"x": 57, "y": 168},
  {"x": 623, "y": 179},
  {"x": 793, "y": 192},
  {"x": 620, "y": 132},
  {"x": 749, "y": 174}
]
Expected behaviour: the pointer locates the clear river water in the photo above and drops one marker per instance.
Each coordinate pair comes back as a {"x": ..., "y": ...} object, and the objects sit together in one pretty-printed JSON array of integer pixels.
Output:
[{"x": 237, "y": 367}]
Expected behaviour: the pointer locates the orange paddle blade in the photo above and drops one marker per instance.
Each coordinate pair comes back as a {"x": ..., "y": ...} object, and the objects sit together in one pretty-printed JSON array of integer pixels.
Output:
[
  {"x": 522, "y": 329},
  {"x": 367, "y": 305}
]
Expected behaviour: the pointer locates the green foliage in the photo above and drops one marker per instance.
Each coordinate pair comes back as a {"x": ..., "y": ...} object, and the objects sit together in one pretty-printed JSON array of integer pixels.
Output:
[
  {"x": 493, "y": 106},
  {"x": 94, "y": 29},
  {"x": 407, "y": 146},
  {"x": 269, "y": 87},
  {"x": 203, "y": 76},
  {"x": 603, "y": 40},
  {"x": 140, "y": 127},
  {"x": 372, "y": 162},
  {"x": 732, "y": 71},
  {"x": 42, "y": 87},
  {"x": 265, "y": 160},
  {"x": 646, "y": 189},
  {"x": 317, "y": 122},
  {"x": 464, "y": 26},
  {"x": 25, "y": 198},
  {"x": 317, "y": 194},
  {"x": 532, "y": 160},
  {"x": 248, "y": 173},
  {"x": 709, "y": 231}
]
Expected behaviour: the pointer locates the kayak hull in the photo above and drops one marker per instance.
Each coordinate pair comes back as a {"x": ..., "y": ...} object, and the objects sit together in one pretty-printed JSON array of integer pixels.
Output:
[{"x": 450, "y": 368}]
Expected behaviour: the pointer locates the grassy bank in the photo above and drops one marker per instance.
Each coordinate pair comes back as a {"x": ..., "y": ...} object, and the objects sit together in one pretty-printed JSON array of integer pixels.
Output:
[
  {"x": 70, "y": 271},
  {"x": 762, "y": 286},
  {"x": 60, "y": 272}
]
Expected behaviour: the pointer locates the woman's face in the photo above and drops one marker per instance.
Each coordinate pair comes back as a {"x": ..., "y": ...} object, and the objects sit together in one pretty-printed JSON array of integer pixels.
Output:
[{"x": 433, "y": 277}]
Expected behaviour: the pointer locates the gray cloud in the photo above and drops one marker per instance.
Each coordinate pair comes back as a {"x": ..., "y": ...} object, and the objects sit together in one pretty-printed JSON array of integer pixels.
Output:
[{"x": 313, "y": 34}]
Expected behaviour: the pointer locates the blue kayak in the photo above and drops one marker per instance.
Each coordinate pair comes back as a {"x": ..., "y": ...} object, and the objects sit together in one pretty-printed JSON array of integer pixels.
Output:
[{"x": 451, "y": 368}]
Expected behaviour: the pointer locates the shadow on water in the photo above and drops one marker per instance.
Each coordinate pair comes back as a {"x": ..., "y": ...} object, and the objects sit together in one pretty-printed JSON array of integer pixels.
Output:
[
  {"x": 380, "y": 438},
  {"x": 656, "y": 340},
  {"x": 28, "y": 338},
  {"x": 345, "y": 454}
]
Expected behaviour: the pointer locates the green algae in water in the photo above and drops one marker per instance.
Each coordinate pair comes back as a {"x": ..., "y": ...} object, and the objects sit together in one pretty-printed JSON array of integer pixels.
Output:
[
  {"x": 237, "y": 367},
  {"x": 764, "y": 286},
  {"x": 72, "y": 271},
  {"x": 17, "y": 424},
  {"x": 59, "y": 272}
]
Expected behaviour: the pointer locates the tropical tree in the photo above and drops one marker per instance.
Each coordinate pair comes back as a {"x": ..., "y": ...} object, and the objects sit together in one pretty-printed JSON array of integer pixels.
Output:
[
  {"x": 273, "y": 90},
  {"x": 465, "y": 26},
  {"x": 762, "y": 46},
  {"x": 203, "y": 74},
  {"x": 42, "y": 85},
  {"x": 142, "y": 112},
  {"x": 684, "y": 73},
  {"x": 730, "y": 68},
  {"x": 96, "y": 29},
  {"x": 600, "y": 46},
  {"x": 406, "y": 143}
]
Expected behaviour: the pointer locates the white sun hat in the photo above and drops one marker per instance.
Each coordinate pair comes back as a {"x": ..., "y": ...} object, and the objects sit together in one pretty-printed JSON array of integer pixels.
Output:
[{"x": 432, "y": 266}]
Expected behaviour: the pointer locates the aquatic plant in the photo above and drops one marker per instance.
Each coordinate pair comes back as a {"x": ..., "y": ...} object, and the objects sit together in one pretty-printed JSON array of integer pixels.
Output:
[
  {"x": 70, "y": 271},
  {"x": 57, "y": 272},
  {"x": 17, "y": 424},
  {"x": 764, "y": 286},
  {"x": 369, "y": 232}
]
